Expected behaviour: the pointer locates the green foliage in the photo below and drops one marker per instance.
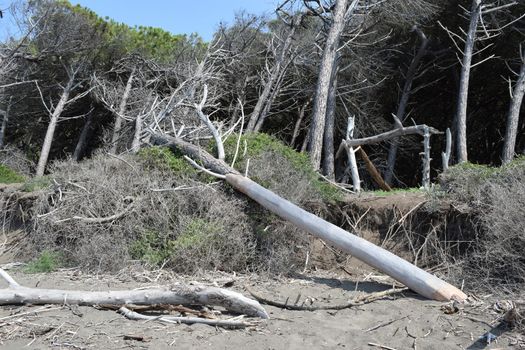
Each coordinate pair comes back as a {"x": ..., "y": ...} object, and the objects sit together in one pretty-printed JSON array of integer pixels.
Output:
[
  {"x": 259, "y": 143},
  {"x": 152, "y": 247},
  {"x": 36, "y": 183},
  {"x": 8, "y": 176},
  {"x": 156, "y": 248},
  {"x": 151, "y": 42},
  {"x": 164, "y": 158},
  {"x": 48, "y": 261}
]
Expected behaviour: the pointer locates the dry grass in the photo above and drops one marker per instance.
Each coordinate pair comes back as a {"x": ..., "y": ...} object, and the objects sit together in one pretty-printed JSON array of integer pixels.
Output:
[
  {"x": 497, "y": 198},
  {"x": 105, "y": 211}
]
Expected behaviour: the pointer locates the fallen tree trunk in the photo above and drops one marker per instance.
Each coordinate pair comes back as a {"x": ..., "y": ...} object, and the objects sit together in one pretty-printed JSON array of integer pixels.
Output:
[
  {"x": 174, "y": 295},
  {"x": 401, "y": 270}
]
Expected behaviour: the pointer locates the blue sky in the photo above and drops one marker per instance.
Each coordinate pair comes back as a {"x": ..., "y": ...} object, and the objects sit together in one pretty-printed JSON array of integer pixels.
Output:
[{"x": 177, "y": 16}]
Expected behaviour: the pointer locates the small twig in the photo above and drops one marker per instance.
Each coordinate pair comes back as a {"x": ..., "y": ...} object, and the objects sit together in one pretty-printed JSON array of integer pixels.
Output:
[
  {"x": 209, "y": 172},
  {"x": 98, "y": 220},
  {"x": 384, "y": 324},
  {"x": 382, "y": 346},
  {"x": 42, "y": 309}
]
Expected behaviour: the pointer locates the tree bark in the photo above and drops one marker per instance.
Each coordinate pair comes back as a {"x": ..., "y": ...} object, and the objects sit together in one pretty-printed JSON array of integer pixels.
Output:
[
  {"x": 401, "y": 108},
  {"x": 3, "y": 127},
  {"x": 352, "y": 163},
  {"x": 173, "y": 295},
  {"x": 413, "y": 277},
  {"x": 135, "y": 144},
  {"x": 328, "y": 60},
  {"x": 401, "y": 270},
  {"x": 513, "y": 116},
  {"x": 400, "y": 131},
  {"x": 48, "y": 140},
  {"x": 79, "y": 149},
  {"x": 298, "y": 122},
  {"x": 329, "y": 130},
  {"x": 461, "y": 114},
  {"x": 121, "y": 110}
]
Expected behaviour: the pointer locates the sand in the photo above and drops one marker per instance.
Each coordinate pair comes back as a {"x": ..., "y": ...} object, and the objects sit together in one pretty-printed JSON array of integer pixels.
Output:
[{"x": 401, "y": 322}]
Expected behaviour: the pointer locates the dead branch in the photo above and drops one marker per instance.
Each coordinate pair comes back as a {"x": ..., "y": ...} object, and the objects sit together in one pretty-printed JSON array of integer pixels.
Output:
[
  {"x": 233, "y": 323},
  {"x": 365, "y": 299},
  {"x": 175, "y": 295},
  {"x": 399, "y": 131}
]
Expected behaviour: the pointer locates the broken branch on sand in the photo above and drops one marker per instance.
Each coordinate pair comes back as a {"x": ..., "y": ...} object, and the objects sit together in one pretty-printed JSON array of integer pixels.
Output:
[
  {"x": 175, "y": 295},
  {"x": 365, "y": 299}
]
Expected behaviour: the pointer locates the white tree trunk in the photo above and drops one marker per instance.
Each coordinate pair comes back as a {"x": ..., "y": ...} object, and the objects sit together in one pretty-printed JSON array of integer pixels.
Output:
[
  {"x": 50, "y": 133},
  {"x": 329, "y": 131},
  {"x": 328, "y": 60},
  {"x": 513, "y": 116},
  {"x": 461, "y": 114},
  {"x": 445, "y": 156},
  {"x": 401, "y": 270},
  {"x": 352, "y": 163},
  {"x": 174, "y": 295},
  {"x": 426, "y": 159},
  {"x": 5, "y": 120},
  {"x": 121, "y": 110}
]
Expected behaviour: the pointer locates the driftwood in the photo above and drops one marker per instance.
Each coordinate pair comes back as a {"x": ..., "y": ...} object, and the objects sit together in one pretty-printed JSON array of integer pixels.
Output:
[
  {"x": 175, "y": 295},
  {"x": 401, "y": 270},
  {"x": 232, "y": 323}
]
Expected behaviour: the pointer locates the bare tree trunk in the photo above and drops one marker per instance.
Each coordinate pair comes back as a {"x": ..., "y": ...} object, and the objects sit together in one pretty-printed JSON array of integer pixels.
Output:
[
  {"x": 5, "y": 119},
  {"x": 297, "y": 126},
  {"x": 329, "y": 130},
  {"x": 352, "y": 163},
  {"x": 277, "y": 70},
  {"x": 466, "y": 63},
  {"x": 328, "y": 60},
  {"x": 48, "y": 140},
  {"x": 268, "y": 105},
  {"x": 445, "y": 156},
  {"x": 79, "y": 149},
  {"x": 401, "y": 270},
  {"x": 513, "y": 116},
  {"x": 401, "y": 108},
  {"x": 122, "y": 109},
  {"x": 426, "y": 159},
  {"x": 135, "y": 144}
]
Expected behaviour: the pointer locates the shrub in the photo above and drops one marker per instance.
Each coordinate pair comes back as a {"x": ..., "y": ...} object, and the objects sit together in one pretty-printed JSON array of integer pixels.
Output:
[
  {"x": 280, "y": 168},
  {"x": 170, "y": 215},
  {"x": 16, "y": 160},
  {"x": 8, "y": 176},
  {"x": 48, "y": 261},
  {"x": 497, "y": 196}
]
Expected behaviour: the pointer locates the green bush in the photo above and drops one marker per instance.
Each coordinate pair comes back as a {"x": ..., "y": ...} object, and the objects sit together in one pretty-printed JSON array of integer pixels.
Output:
[
  {"x": 8, "y": 176},
  {"x": 272, "y": 162},
  {"x": 163, "y": 158},
  {"x": 48, "y": 261}
]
